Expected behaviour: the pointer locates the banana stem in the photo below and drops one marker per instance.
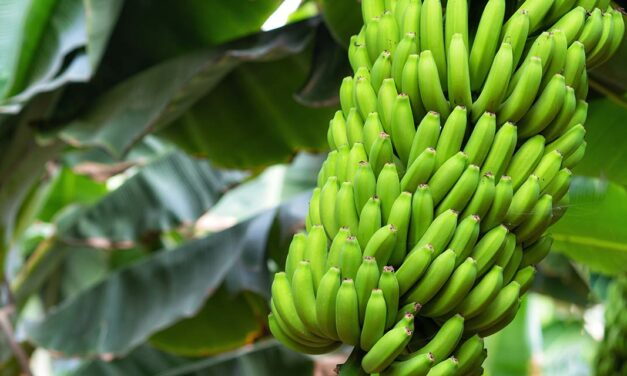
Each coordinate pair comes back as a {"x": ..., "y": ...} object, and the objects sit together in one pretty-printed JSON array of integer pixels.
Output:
[{"x": 352, "y": 366}]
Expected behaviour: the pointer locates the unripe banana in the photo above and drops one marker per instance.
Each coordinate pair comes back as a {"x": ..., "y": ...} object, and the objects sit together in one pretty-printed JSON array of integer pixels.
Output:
[
  {"x": 482, "y": 293},
  {"x": 592, "y": 30},
  {"x": 295, "y": 254},
  {"x": 432, "y": 36},
  {"x": 571, "y": 24},
  {"x": 558, "y": 57},
  {"x": 414, "y": 267},
  {"x": 468, "y": 354},
  {"x": 388, "y": 34},
  {"x": 279, "y": 334},
  {"x": 485, "y": 42},
  {"x": 356, "y": 155},
  {"x": 600, "y": 52},
  {"x": 305, "y": 296},
  {"x": 354, "y": 126},
  {"x": 458, "y": 74},
  {"x": 465, "y": 238},
  {"x": 575, "y": 64},
  {"x": 399, "y": 218},
  {"x": 618, "y": 32},
  {"x": 537, "y": 251},
  {"x": 545, "y": 109},
  {"x": 525, "y": 277},
  {"x": 565, "y": 114},
  {"x": 558, "y": 9},
  {"x": 447, "y": 175},
  {"x": 371, "y": 9},
  {"x": 538, "y": 222},
  {"x": 447, "y": 367},
  {"x": 525, "y": 160},
  {"x": 359, "y": 57},
  {"x": 316, "y": 253},
  {"x": 407, "y": 46},
  {"x": 461, "y": 193},
  {"x": 346, "y": 95},
  {"x": 580, "y": 116},
  {"x": 507, "y": 251},
  {"x": 524, "y": 93},
  {"x": 328, "y": 196},
  {"x": 549, "y": 166},
  {"x": 369, "y": 220},
  {"x": 385, "y": 103},
  {"x": 370, "y": 36},
  {"x": 568, "y": 142},
  {"x": 366, "y": 280},
  {"x": 403, "y": 129},
  {"x": 431, "y": 91},
  {"x": 328, "y": 168},
  {"x": 481, "y": 138},
  {"x": 433, "y": 279},
  {"x": 388, "y": 188},
  {"x": 458, "y": 285},
  {"x": 558, "y": 187},
  {"x": 506, "y": 301},
  {"x": 514, "y": 263},
  {"x": 446, "y": 339},
  {"x": 350, "y": 258},
  {"x": 391, "y": 292},
  {"x": 523, "y": 202},
  {"x": 345, "y": 210},
  {"x": 381, "y": 70},
  {"x": 456, "y": 22},
  {"x": 440, "y": 232},
  {"x": 386, "y": 350},
  {"x": 560, "y": 208},
  {"x": 537, "y": 10},
  {"x": 501, "y": 151},
  {"x": 497, "y": 81},
  {"x": 452, "y": 136},
  {"x": 372, "y": 129},
  {"x": 381, "y": 245},
  {"x": 347, "y": 313},
  {"x": 411, "y": 308},
  {"x": 502, "y": 198},
  {"x": 341, "y": 163},
  {"x": 374, "y": 320},
  {"x": 407, "y": 321},
  {"x": 542, "y": 48},
  {"x": 416, "y": 366},
  {"x": 364, "y": 184},
  {"x": 483, "y": 197},
  {"x": 487, "y": 249},
  {"x": 421, "y": 214},
  {"x": 365, "y": 97},
  {"x": 427, "y": 135},
  {"x": 573, "y": 160},
  {"x": 419, "y": 171},
  {"x": 326, "y": 301},
  {"x": 381, "y": 153},
  {"x": 335, "y": 250},
  {"x": 588, "y": 5},
  {"x": 409, "y": 85},
  {"x": 582, "y": 87},
  {"x": 516, "y": 32}
]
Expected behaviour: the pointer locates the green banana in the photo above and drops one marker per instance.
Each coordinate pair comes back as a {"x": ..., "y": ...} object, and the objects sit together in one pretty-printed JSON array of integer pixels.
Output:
[
  {"x": 447, "y": 367},
  {"x": 347, "y": 313},
  {"x": 345, "y": 211},
  {"x": 483, "y": 197},
  {"x": 419, "y": 171},
  {"x": 523, "y": 202},
  {"x": 481, "y": 138},
  {"x": 446, "y": 339},
  {"x": 558, "y": 57},
  {"x": 456, "y": 22},
  {"x": 545, "y": 109},
  {"x": 452, "y": 136},
  {"x": 592, "y": 30},
  {"x": 525, "y": 160},
  {"x": 487, "y": 249},
  {"x": 416, "y": 366},
  {"x": 468, "y": 353},
  {"x": 571, "y": 24},
  {"x": 279, "y": 334},
  {"x": 573, "y": 160},
  {"x": 403, "y": 129},
  {"x": 305, "y": 296},
  {"x": 496, "y": 83},
  {"x": 385, "y": 103},
  {"x": 381, "y": 245},
  {"x": 350, "y": 258},
  {"x": 388, "y": 34},
  {"x": 346, "y": 95},
  {"x": 440, "y": 231},
  {"x": 391, "y": 292},
  {"x": 525, "y": 277},
  {"x": 559, "y": 125},
  {"x": 365, "y": 97},
  {"x": 481, "y": 294},
  {"x": 575, "y": 64},
  {"x": 369, "y": 220},
  {"x": 465, "y": 238},
  {"x": 485, "y": 42},
  {"x": 427, "y": 135},
  {"x": 446, "y": 176},
  {"x": 364, "y": 184},
  {"x": 503, "y": 194},
  {"x": 538, "y": 221},
  {"x": 568, "y": 142},
  {"x": 295, "y": 254},
  {"x": 399, "y": 218},
  {"x": 410, "y": 18},
  {"x": 432, "y": 36},
  {"x": 341, "y": 163},
  {"x": 501, "y": 151},
  {"x": 523, "y": 94},
  {"x": 381, "y": 70},
  {"x": 537, "y": 251},
  {"x": 558, "y": 187},
  {"x": 326, "y": 300},
  {"x": 421, "y": 214},
  {"x": 514, "y": 263},
  {"x": 461, "y": 193},
  {"x": 506, "y": 252},
  {"x": 354, "y": 127},
  {"x": 381, "y": 153},
  {"x": 549, "y": 166},
  {"x": 409, "y": 85},
  {"x": 414, "y": 266},
  {"x": 372, "y": 130},
  {"x": 505, "y": 302},
  {"x": 385, "y": 350},
  {"x": 366, "y": 280},
  {"x": 458, "y": 74},
  {"x": 458, "y": 285},
  {"x": 516, "y": 32},
  {"x": 407, "y": 46},
  {"x": 429, "y": 84},
  {"x": 371, "y": 9},
  {"x": 537, "y": 10},
  {"x": 316, "y": 253},
  {"x": 433, "y": 279},
  {"x": 374, "y": 320},
  {"x": 388, "y": 188}
]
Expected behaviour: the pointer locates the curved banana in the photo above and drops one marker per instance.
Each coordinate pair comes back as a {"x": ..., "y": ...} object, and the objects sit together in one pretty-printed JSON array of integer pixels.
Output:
[
  {"x": 540, "y": 220},
  {"x": 406, "y": 47},
  {"x": 496, "y": 84},
  {"x": 482, "y": 199},
  {"x": 461, "y": 193},
  {"x": 295, "y": 254},
  {"x": 346, "y": 95},
  {"x": 326, "y": 300},
  {"x": 524, "y": 93},
  {"x": 440, "y": 232},
  {"x": 568, "y": 142},
  {"x": 388, "y": 188},
  {"x": 350, "y": 258},
  {"x": 337, "y": 244},
  {"x": 414, "y": 266},
  {"x": 385, "y": 103},
  {"x": 451, "y": 136},
  {"x": 481, "y": 294},
  {"x": 400, "y": 215},
  {"x": 487, "y": 249},
  {"x": 419, "y": 171},
  {"x": 427, "y": 135},
  {"x": 432, "y": 35},
  {"x": 391, "y": 292},
  {"x": 369, "y": 220},
  {"x": 485, "y": 42},
  {"x": 381, "y": 153},
  {"x": 433, "y": 279},
  {"x": 545, "y": 109},
  {"x": 446, "y": 339},
  {"x": 374, "y": 320},
  {"x": 559, "y": 125},
  {"x": 421, "y": 214},
  {"x": 458, "y": 73},
  {"x": 446, "y": 176},
  {"x": 505, "y": 302},
  {"x": 571, "y": 24},
  {"x": 347, "y": 313},
  {"x": 525, "y": 160},
  {"x": 316, "y": 253},
  {"x": 431, "y": 91},
  {"x": 537, "y": 251},
  {"x": 385, "y": 350},
  {"x": 468, "y": 353},
  {"x": 345, "y": 210},
  {"x": 458, "y": 285},
  {"x": 523, "y": 202},
  {"x": 502, "y": 198},
  {"x": 465, "y": 238},
  {"x": 305, "y": 296},
  {"x": 416, "y": 366},
  {"x": 409, "y": 85},
  {"x": 501, "y": 151},
  {"x": 481, "y": 138},
  {"x": 402, "y": 126}
]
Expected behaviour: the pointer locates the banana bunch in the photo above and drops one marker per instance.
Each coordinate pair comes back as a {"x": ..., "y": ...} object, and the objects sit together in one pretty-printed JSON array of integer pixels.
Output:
[
  {"x": 448, "y": 163},
  {"x": 612, "y": 352}
]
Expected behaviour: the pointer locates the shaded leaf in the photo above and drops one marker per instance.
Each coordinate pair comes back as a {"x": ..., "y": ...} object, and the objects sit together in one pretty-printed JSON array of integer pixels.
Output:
[
  {"x": 123, "y": 115},
  {"x": 223, "y": 324},
  {"x": 557, "y": 278},
  {"x": 593, "y": 230}
]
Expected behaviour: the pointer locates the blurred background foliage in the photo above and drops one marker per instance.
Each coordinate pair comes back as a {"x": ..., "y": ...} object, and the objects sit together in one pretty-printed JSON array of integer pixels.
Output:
[{"x": 157, "y": 157}]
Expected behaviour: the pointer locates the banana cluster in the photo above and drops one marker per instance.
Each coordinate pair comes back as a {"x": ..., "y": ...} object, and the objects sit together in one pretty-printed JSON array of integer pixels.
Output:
[
  {"x": 449, "y": 162},
  {"x": 612, "y": 352}
]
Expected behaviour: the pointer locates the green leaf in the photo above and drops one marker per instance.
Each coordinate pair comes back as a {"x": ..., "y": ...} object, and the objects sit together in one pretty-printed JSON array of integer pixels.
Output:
[
  {"x": 559, "y": 279},
  {"x": 567, "y": 349},
  {"x": 158, "y": 291},
  {"x": 170, "y": 191},
  {"x": 510, "y": 349},
  {"x": 606, "y": 153},
  {"x": 51, "y": 42},
  {"x": 269, "y": 130},
  {"x": 145, "y": 102},
  {"x": 225, "y": 323},
  {"x": 263, "y": 359},
  {"x": 593, "y": 230}
]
